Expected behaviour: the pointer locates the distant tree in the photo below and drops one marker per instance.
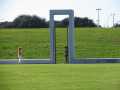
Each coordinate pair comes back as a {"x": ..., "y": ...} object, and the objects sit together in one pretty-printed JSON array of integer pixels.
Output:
[
  {"x": 27, "y": 21},
  {"x": 79, "y": 22},
  {"x": 64, "y": 22},
  {"x": 117, "y": 25},
  {"x": 38, "y": 22},
  {"x": 6, "y": 24},
  {"x": 58, "y": 23}
]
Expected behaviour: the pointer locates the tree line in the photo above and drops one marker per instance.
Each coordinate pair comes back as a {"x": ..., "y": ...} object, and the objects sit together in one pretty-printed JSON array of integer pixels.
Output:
[
  {"x": 27, "y": 21},
  {"x": 117, "y": 25}
]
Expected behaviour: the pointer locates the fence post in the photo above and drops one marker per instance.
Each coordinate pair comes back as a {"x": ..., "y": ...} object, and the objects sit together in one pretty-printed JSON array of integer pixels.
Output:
[{"x": 20, "y": 55}]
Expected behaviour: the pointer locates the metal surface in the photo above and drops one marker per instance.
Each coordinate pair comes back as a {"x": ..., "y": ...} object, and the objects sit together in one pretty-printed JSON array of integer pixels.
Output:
[
  {"x": 95, "y": 60},
  {"x": 25, "y": 61}
]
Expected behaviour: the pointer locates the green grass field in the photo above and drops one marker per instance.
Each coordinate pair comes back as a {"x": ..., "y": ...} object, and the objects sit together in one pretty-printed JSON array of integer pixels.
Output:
[
  {"x": 89, "y": 43},
  {"x": 60, "y": 77}
]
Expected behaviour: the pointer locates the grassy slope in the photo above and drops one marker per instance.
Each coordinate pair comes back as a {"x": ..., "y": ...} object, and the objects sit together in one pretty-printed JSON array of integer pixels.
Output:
[
  {"x": 89, "y": 42},
  {"x": 98, "y": 43},
  {"x": 31, "y": 40},
  {"x": 60, "y": 77}
]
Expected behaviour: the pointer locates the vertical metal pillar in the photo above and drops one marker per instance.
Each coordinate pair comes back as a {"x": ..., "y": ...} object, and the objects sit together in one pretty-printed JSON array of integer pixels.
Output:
[
  {"x": 52, "y": 39},
  {"x": 71, "y": 37}
]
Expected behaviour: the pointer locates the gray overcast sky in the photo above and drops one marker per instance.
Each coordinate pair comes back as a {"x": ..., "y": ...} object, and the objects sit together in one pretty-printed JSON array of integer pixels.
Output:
[{"x": 9, "y": 9}]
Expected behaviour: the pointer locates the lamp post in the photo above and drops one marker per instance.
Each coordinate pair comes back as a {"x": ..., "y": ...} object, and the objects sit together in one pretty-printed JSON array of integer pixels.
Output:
[
  {"x": 98, "y": 21},
  {"x": 113, "y": 17}
]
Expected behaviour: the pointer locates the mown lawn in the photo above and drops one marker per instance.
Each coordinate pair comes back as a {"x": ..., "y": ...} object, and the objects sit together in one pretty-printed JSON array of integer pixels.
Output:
[
  {"x": 60, "y": 77},
  {"x": 89, "y": 43}
]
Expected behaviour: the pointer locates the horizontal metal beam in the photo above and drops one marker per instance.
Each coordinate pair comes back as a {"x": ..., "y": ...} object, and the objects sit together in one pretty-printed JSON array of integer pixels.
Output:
[
  {"x": 25, "y": 61},
  {"x": 73, "y": 61},
  {"x": 35, "y": 62},
  {"x": 95, "y": 60},
  {"x": 9, "y": 61},
  {"x": 61, "y": 12}
]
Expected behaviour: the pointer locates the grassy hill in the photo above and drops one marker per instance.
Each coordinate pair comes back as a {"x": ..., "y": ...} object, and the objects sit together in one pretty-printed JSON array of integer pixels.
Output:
[{"x": 89, "y": 43}]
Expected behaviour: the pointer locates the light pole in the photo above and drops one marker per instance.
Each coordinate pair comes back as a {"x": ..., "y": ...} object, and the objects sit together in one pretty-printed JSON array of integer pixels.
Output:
[
  {"x": 98, "y": 21},
  {"x": 113, "y": 17}
]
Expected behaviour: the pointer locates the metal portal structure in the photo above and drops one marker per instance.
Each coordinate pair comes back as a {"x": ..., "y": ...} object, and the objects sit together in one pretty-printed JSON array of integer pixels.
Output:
[
  {"x": 71, "y": 46},
  {"x": 70, "y": 35}
]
